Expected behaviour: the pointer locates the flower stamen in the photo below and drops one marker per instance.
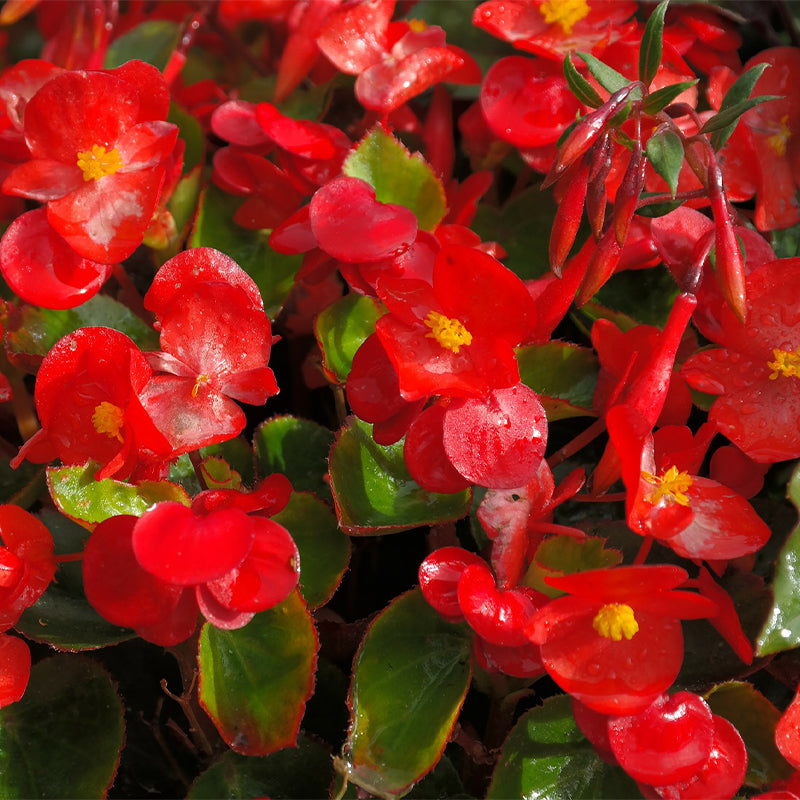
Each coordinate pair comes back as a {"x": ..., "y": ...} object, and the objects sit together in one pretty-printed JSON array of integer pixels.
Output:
[
  {"x": 565, "y": 13},
  {"x": 615, "y": 620},
  {"x": 785, "y": 363},
  {"x": 109, "y": 419},
  {"x": 672, "y": 484},
  {"x": 448, "y": 332},
  {"x": 97, "y": 162},
  {"x": 780, "y": 138}
]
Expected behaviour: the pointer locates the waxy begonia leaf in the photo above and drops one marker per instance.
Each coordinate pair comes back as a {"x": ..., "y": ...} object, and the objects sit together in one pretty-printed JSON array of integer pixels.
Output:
[
  {"x": 33, "y": 331},
  {"x": 255, "y": 681},
  {"x": 62, "y": 616},
  {"x": 755, "y": 718},
  {"x": 79, "y": 496},
  {"x": 665, "y": 153},
  {"x": 373, "y": 491},
  {"x": 218, "y": 474},
  {"x": 297, "y": 448},
  {"x": 546, "y": 755},
  {"x": 324, "y": 549},
  {"x": 410, "y": 675},
  {"x": 214, "y": 227},
  {"x": 563, "y": 375},
  {"x": 302, "y": 771},
  {"x": 63, "y": 739},
  {"x": 152, "y": 41},
  {"x": 782, "y": 628},
  {"x": 342, "y": 328},
  {"x": 398, "y": 176},
  {"x": 652, "y": 44}
]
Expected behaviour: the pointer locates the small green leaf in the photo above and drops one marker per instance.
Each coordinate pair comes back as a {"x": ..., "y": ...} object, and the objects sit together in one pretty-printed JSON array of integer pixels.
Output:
[
  {"x": 725, "y": 122},
  {"x": 782, "y": 629},
  {"x": 665, "y": 153},
  {"x": 214, "y": 227},
  {"x": 410, "y": 678},
  {"x": 342, "y": 328},
  {"x": 755, "y": 718},
  {"x": 302, "y": 771},
  {"x": 218, "y": 474},
  {"x": 656, "y": 209},
  {"x": 398, "y": 176},
  {"x": 611, "y": 80},
  {"x": 255, "y": 681},
  {"x": 652, "y": 44},
  {"x": 738, "y": 92},
  {"x": 298, "y": 449},
  {"x": 324, "y": 549},
  {"x": 79, "y": 496},
  {"x": 563, "y": 375},
  {"x": 373, "y": 492},
  {"x": 63, "y": 739},
  {"x": 658, "y": 100},
  {"x": 546, "y": 756},
  {"x": 579, "y": 86},
  {"x": 152, "y": 41}
]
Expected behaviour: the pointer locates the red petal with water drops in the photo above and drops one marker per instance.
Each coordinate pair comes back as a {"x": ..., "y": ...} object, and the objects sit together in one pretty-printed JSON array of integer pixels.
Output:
[
  {"x": 354, "y": 38},
  {"x": 15, "y": 669},
  {"x": 787, "y": 733},
  {"x": 439, "y": 575}
]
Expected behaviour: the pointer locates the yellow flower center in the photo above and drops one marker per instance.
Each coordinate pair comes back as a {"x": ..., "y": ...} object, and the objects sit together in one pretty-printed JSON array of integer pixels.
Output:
[
  {"x": 450, "y": 333},
  {"x": 200, "y": 379},
  {"x": 615, "y": 620},
  {"x": 672, "y": 484},
  {"x": 417, "y": 25},
  {"x": 779, "y": 139},
  {"x": 785, "y": 363},
  {"x": 97, "y": 162},
  {"x": 108, "y": 419},
  {"x": 565, "y": 13}
]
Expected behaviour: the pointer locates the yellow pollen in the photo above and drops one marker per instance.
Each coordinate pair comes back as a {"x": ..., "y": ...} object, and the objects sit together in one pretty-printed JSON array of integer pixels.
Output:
[
  {"x": 779, "y": 139},
  {"x": 615, "y": 620},
  {"x": 417, "y": 25},
  {"x": 564, "y": 13},
  {"x": 97, "y": 163},
  {"x": 672, "y": 484},
  {"x": 450, "y": 333},
  {"x": 108, "y": 419},
  {"x": 785, "y": 363},
  {"x": 196, "y": 387}
]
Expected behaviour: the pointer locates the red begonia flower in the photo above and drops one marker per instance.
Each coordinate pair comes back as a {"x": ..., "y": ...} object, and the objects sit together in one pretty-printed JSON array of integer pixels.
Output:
[
  {"x": 756, "y": 371},
  {"x": 787, "y": 732},
  {"x": 439, "y": 575},
  {"x": 615, "y": 641},
  {"x": 88, "y": 401},
  {"x": 15, "y": 669},
  {"x": 519, "y": 661},
  {"x": 97, "y": 141}
]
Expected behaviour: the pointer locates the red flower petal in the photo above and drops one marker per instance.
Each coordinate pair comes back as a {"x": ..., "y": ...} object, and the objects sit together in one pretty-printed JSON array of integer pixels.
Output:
[{"x": 15, "y": 669}]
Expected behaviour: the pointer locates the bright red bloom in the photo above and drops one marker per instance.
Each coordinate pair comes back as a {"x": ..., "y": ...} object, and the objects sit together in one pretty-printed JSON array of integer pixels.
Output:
[
  {"x": 615, "y": 641},
  {"x": 15, "y": 669},
  {"x": 97, "y": 141},
  {"x": 787, "y": 732}
]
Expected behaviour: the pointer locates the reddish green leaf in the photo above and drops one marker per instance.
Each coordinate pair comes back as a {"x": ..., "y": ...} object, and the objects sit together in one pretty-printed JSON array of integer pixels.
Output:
[
  {"x": 410, "y": 677},
  {"x": 755, "y": 718},
  {"x": 398, "y": 176},
  {"x": 324, "y": 549},
  {"x": 79, "y": 496},
  {"x": 218, "y": 474},
  {"x": 341, "y": 329},
  {"x": 255, "y": 681},
  {"x": 546, "y": 756},
  {"x": 373, "y": 491},
  {"x": 63, "y": 739}
]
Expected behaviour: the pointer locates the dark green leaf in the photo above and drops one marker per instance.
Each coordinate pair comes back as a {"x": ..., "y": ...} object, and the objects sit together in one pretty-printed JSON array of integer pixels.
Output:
[
  {"x": 255, "y": 681},
  {"x": 657, "y": 209},
  {"x": 611, "y": 80},
  {"x": 63, "y": 739},
  {"x": 661, "y": 98},
  {"x": 579, "y": 86},
  {"x": 725, "y": 122},
  {"x": 739, "y": 92},
  {"x": 152, "y": 41},
  {"x": 665, "y": 153},
  {"x": 190, "y": 130},
  {"x": 652, "y": 44},
  {"x": 410, "y": 677},
  {"x": 373, "y": 492}
]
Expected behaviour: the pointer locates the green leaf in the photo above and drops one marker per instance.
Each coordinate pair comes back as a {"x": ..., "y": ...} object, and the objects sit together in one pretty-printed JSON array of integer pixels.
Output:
[
  {"x": 298, "y": 449},
  {"x": 79, "y": 496},
  {"x": 190, "y": 130},
  {"x": 656, "y": 209},
  {"x": 611, "y": 80},
  {"x": 651, "y": 45},
  {"x": 398, "y": 176},
  {"x": 561, "y": 555},
  {"x": 724, "y": 123},
  {"x": 341, "y": 329},
  {"x": 579, "y": 86},
  {"x": 546, "y": 756},
  {"x": 33, "y": 331},
  {"x": 563, "y": 375},
  {"x": 665, "y": 153},
  {"x": 214, "y": 227},
  {"x": 302, "y": 771},
  {"x": 410, "y": 678},
  {"x": 755, "y": 718},
  {"x": 218, "y": 474},
  {"x": 373, "y": 492},
  {"x": 63, "y": 739},
  {"x": 153, "y": 41},
  {"x": 658, "y": 100},
  {"x": 324, "y": 548},
  {"x": 22, "y": 486},
  {"x": 255, "y": 681},
  {"x": 62, "y": 616},
  {"x": 738, "y": 92},
  {"x": 782, "y": 629}
]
